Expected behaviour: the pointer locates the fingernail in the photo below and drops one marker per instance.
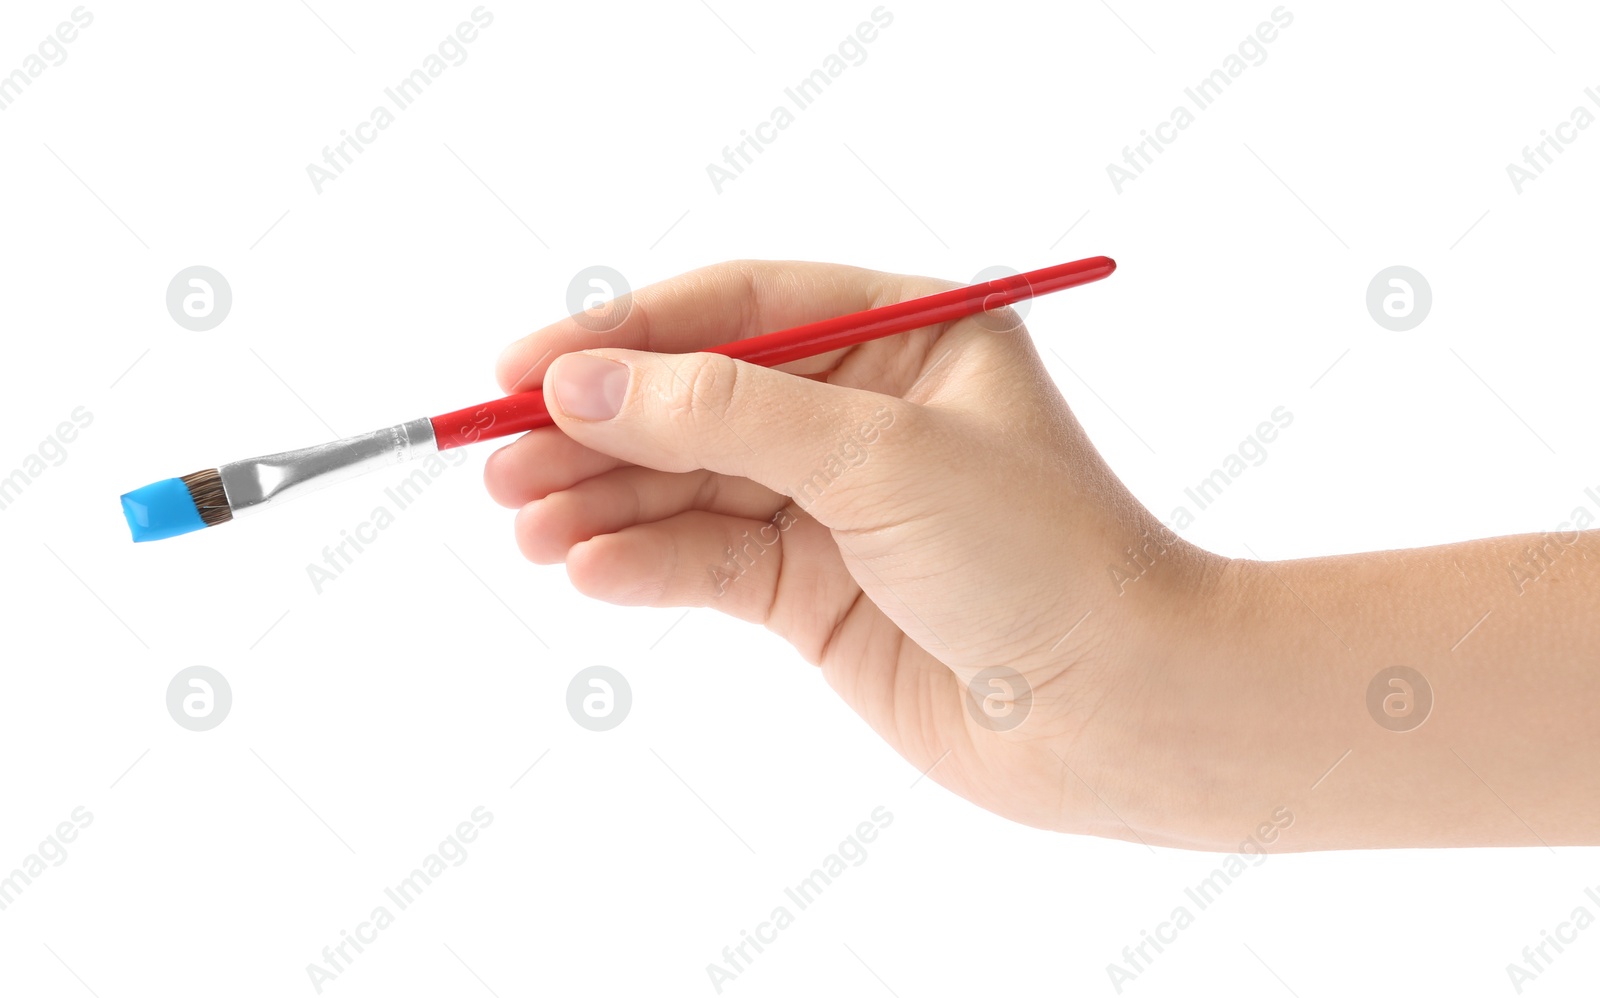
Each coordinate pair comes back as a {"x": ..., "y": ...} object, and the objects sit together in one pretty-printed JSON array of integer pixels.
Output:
[{"x": 589, "y": 387}]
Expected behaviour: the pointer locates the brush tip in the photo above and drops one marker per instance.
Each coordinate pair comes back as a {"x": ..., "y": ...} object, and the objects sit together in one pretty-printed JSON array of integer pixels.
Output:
[{"x": 161, "y": 510}]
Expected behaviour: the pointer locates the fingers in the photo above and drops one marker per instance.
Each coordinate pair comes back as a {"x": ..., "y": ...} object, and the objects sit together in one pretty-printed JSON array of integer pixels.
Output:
[
  {"x": 805, "y": 439},
  {"x": 729, "y": 301},
  {"x": 678, "y": 562},
  {"x": 539, "y": 463},
  {"x": 783, "y": 572},
  {"x": 548, "y": 528}
]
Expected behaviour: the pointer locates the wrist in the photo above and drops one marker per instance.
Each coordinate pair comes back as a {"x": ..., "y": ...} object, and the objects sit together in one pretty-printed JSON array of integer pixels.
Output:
[{"x": 1192, "y": 752}]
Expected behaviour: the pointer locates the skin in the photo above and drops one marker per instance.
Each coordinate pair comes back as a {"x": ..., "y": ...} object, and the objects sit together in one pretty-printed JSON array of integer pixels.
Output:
[{"x": 965, "y": 524}]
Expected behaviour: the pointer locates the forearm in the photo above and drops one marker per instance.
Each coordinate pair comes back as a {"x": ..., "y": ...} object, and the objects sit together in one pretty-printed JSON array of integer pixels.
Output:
[{"x": 1270, "y": 690}]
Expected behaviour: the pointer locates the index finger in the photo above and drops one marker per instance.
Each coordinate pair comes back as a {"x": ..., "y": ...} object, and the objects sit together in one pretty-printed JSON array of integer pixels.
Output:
[{"x": 713, "y": 305}]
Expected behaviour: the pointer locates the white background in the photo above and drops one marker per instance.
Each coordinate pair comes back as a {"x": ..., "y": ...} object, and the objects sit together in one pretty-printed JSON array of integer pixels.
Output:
[{"x": 370, "y": 719}]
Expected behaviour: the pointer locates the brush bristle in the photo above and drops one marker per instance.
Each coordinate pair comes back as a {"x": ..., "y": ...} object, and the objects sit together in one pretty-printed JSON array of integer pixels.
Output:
[{"x": 205, "y": 488}]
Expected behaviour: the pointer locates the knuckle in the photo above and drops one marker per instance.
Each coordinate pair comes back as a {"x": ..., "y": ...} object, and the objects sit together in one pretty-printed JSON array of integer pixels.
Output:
[{"x": 703, "y": 390}]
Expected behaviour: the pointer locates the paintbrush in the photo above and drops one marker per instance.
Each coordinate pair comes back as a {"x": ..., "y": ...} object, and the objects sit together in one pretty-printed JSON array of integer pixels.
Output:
[{"x": 214, "y": 496}]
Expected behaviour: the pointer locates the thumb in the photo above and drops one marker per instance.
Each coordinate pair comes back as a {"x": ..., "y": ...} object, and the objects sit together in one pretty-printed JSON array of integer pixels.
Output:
[{"x": 822, "y": 445}]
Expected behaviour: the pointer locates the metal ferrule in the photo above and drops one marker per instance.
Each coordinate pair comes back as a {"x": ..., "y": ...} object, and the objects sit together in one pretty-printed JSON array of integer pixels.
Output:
[{"x": 261, "y": 481}]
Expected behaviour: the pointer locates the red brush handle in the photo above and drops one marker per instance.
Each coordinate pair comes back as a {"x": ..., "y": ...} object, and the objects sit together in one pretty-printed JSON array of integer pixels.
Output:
[{"x": 526, "y": 410}]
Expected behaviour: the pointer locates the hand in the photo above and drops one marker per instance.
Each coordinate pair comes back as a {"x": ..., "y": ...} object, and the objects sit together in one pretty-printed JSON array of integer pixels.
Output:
[{"x": 920, "y": 515}]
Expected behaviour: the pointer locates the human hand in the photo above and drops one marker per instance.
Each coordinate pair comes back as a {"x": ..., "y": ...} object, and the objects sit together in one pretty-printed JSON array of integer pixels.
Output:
[{"x": 921, "y": 516}]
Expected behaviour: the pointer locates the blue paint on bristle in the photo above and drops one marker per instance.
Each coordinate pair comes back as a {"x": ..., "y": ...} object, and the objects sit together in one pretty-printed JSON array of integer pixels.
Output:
[{"x": 162, "y": 510}]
